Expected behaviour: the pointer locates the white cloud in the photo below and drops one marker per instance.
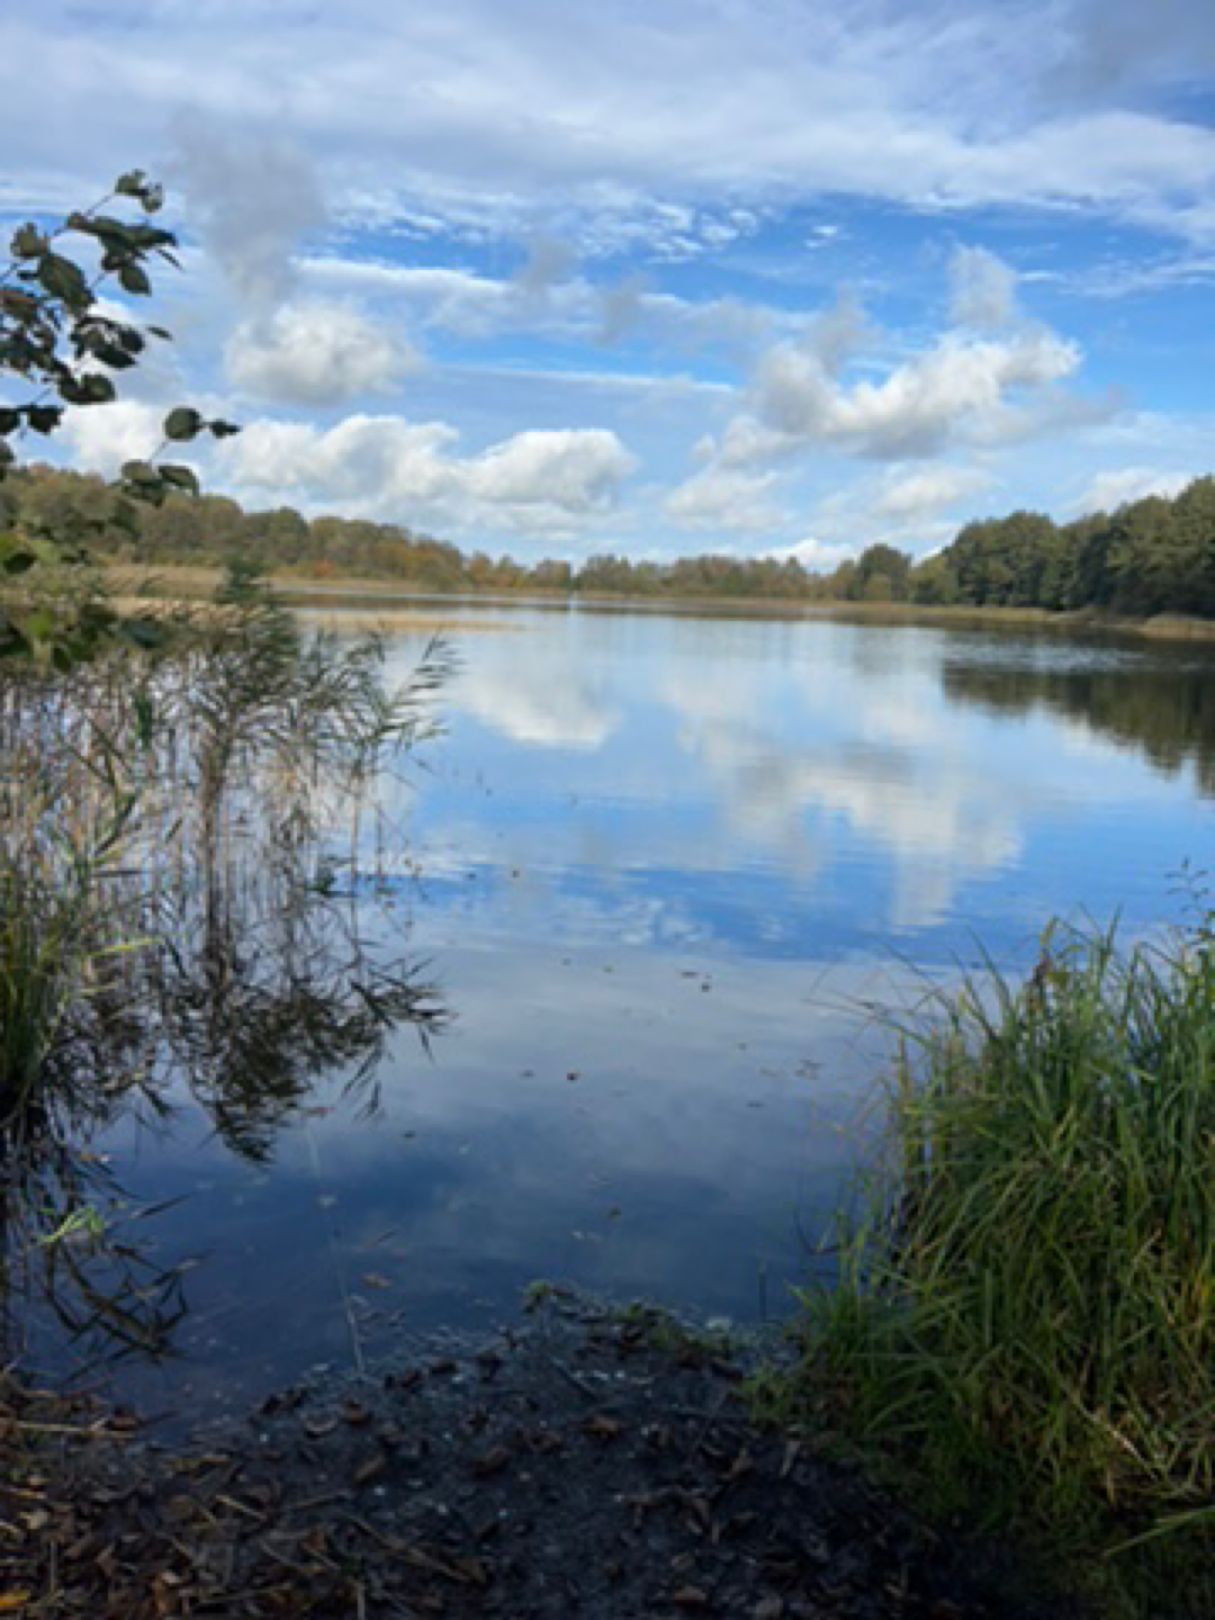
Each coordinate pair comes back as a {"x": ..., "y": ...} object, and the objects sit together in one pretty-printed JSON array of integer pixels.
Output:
[
  {"x": 724, "y": 498},
  {"x": 958, "y": 388},
  {"x": 542, "y": 301},
  {"x": 923, "y": 494},
  {"x": 316, "y": 353},
  {"x": 579, "y": 470},
  {"x": 835, "y": 387},
  {"x": 819, "y": 556},
  {"x": 252, "y": 194},
  {"x": 101, "y": 437},
  {"x": 479, "y": 114},
  {"x": 984, "y": 289},
  {"x": 388, "y": 468},
  {"x": 1119, "y": 486},
  {"x": 745, "y": 443}
]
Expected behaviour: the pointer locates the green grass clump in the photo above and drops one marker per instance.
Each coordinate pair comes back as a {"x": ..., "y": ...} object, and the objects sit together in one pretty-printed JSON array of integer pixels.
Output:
[{"x": 1024, "y": 1319}]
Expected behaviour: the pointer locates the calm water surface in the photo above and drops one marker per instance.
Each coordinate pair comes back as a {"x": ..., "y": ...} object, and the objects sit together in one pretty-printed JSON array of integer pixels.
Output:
[{"x": 657, "y": 868}]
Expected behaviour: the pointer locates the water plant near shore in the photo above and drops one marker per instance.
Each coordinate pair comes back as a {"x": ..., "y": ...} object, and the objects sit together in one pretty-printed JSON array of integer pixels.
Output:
[
  {"x": 1024, "y": 1317},
  {"x": 170, "y": 823}
]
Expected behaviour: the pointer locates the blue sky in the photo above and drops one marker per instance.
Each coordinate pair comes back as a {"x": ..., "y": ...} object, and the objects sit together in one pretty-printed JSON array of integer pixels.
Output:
[{"x": 668, "y": 277}]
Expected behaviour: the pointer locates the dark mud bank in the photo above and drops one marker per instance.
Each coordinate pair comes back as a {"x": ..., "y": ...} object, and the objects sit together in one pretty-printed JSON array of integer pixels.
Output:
[{"x": 586, "y": 1465}]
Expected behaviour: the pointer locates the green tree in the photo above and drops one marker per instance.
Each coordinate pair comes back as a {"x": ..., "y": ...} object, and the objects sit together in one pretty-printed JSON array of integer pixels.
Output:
[
  {"x": 882, "y": 575},
  {"x": 934, "y": 583},
  {"x": 59, "y": 349}
]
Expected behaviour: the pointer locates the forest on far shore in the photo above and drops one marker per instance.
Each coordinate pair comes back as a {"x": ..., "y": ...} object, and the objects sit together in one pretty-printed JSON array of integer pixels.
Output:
[{"x": 1155, "y": 555}]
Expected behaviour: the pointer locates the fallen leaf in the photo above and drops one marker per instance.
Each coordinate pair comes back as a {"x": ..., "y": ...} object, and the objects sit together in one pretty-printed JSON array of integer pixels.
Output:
[
  {"x": 699, "y": 1508},
  {"x": 464, "y": 1571},
  {"x": 10, "y": 1602},
  {"x": 544, "y": 1441},
  {"x": 410, "y": 1378},
  {"x": 370, "y": 1468},
  {"x": 690, "y": 1597},
  {"x": 493, "y": 1462}
]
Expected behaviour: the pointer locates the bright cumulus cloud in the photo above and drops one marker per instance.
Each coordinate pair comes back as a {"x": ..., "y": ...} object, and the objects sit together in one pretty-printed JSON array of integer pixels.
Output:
[
  {"x": 388, "y": 468},
  {"x": 316, "y": 354},
  {"x": 1121, "y": 485},
  {"x": 724, "y": 498},
  {"x": 960, "y": 388},
  {"x": 832, "y": 273},
  {"x": 923, "y": 494}
]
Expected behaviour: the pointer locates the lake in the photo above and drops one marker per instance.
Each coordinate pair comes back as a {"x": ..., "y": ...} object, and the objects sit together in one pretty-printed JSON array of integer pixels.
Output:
[{"x": 663, "y": 872}]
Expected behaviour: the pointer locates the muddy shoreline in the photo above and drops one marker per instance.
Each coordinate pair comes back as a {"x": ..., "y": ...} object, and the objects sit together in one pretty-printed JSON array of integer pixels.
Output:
[{"x": 582, "y": 1463}]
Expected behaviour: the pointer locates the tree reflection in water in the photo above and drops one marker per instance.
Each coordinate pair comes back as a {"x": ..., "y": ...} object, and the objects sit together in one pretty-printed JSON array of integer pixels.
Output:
[{"x": 1164, "y": 710}]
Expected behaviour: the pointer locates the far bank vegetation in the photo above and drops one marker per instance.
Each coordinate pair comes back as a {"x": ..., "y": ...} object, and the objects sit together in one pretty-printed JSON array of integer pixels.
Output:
[{"x": 1150, "y": 557}]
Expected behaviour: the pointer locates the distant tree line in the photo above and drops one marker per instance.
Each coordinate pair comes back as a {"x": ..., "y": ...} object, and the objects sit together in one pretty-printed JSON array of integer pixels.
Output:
[{"x": 1155, "y": 555}]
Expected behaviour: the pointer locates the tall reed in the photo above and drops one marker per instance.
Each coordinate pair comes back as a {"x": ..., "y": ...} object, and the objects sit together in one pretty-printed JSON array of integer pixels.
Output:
[
  {"x": 1025, "y": 1312},
  {"x": 170, "y": 821},
  {"x": 226, "y": 771}
]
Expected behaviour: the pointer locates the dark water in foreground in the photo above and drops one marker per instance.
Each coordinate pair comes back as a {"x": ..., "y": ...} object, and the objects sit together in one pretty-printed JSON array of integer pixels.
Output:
[{"x": 657, "y": 866}]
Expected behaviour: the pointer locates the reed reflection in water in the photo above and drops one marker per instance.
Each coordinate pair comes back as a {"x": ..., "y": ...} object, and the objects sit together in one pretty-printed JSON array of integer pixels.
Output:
[{"x": 171, "y": 833}]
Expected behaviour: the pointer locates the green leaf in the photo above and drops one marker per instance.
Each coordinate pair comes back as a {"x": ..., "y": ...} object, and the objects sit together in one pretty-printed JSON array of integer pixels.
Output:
[
  {"x": 180, "y": 477},
  {"x": 10, "y": 420},
  {"x": 222, "y": 430},
  {"x": 146, "y": 237},
  {"x": 143, "y": 481},
  {"x": 28, "y": 243},
  {"x": 64, "y": 280},
  {"x": 44, "y": 418},
  {"x": 93, "y": 388},
  {"x": 111, "y": 355},
  {"x": 18, "y": 304},
  {"x": 182, "y": 424},
  {"x": 134, "y": 279},
  {"x": 94, "y": 335},
  {"x": 131, "y": 184}
]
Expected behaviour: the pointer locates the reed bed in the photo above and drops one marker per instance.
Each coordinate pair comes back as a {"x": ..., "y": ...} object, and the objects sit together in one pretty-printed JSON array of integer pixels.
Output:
[
  {"x": 171, "y": 823},
  {"x": 1023, "y": 1320}
]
